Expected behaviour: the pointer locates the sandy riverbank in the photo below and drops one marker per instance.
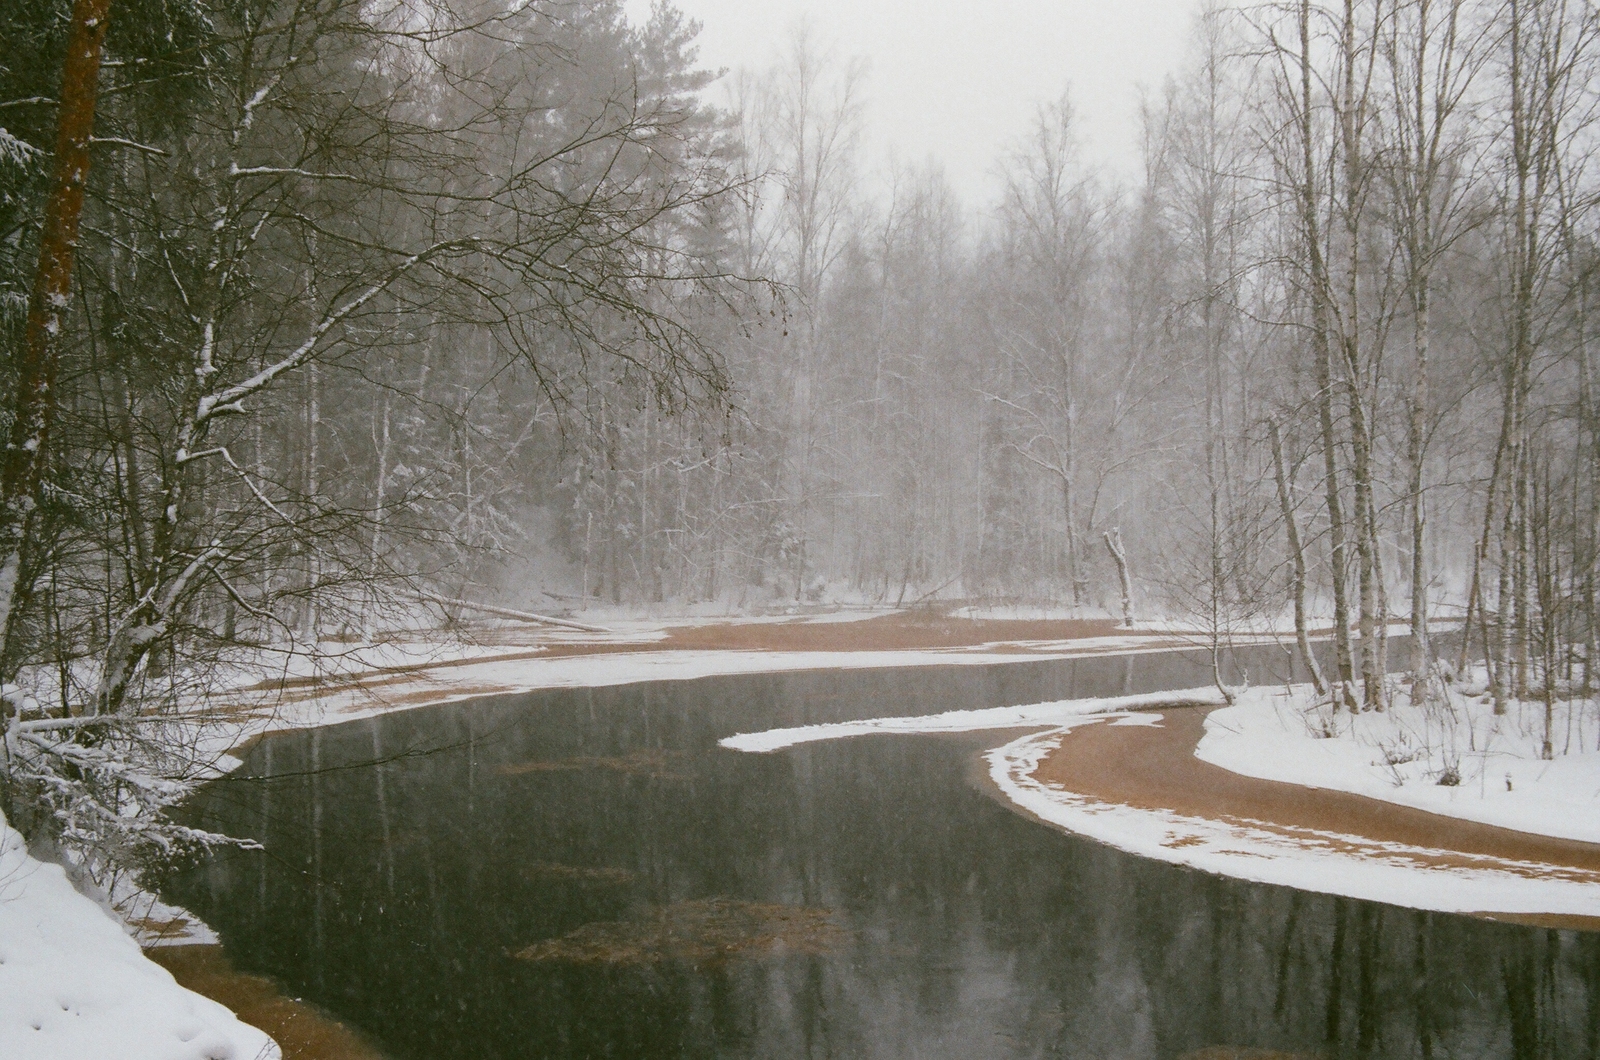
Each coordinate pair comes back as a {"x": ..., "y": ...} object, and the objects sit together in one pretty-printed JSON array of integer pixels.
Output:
[
  {"x": 1153, "y": 768},
  {"x": 302, "y": 1030}
]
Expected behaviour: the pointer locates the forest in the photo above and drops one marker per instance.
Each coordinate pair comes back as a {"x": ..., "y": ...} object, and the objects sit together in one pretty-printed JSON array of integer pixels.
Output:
[{"x": 315, "y": 311}]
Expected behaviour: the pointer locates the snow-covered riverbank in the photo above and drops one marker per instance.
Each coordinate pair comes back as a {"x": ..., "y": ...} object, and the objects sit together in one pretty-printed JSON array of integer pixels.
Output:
[
  {"x": 75, "y": 986},
  {"x": 1321, "y": 860},
  {"x": 398, "y": 676},
  {"x": 1454, "y": 758},
  {"x": 363, "y": 681}
]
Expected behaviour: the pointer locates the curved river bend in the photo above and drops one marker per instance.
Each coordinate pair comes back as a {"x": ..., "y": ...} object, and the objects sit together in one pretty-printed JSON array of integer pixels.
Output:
[{"x": 582, "y": 873}]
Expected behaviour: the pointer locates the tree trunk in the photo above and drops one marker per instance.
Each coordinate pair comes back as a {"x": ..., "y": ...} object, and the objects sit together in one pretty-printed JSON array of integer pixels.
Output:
[
  {"x": 1072, "y": 540},
  {"x": 1120, "y": 557},
  {"x": 1365, "y": 528},
  {"x": 1322, "y": 361},
  {"x": 1366, "y": 558},
  {"x": 1505, "y": 618},
  {"x": 34, "y": 400},
  {"x": 1297, "y": 559},
  {"x": 1522, "y": 588},
  {"x": 1420, "y": 650},
  {"x": 1589, "y": 541},
  {"x": 380, "y": 487},
  {"x": 313, "y": 480},
  {"x": 1344, "y": 670}
]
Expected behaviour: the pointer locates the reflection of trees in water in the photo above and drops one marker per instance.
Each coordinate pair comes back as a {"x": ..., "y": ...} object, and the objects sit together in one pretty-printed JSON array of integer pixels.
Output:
[
  {"x": 967, "y": 930},
  {"x": 1115, "y": 943}
]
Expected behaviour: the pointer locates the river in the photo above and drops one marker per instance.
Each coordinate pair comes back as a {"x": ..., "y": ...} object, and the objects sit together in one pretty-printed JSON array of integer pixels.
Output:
[{"x": 583, "y": 873}]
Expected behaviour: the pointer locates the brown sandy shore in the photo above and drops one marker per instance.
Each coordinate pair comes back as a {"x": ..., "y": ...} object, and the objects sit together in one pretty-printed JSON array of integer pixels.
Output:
[
  {"x": 302, "y": 1031},
  {"x": 1154, "y": 767}
]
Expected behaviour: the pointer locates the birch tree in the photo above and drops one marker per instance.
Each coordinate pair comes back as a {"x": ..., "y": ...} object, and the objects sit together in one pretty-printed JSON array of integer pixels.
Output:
[{"x": 1432, "y": 55}]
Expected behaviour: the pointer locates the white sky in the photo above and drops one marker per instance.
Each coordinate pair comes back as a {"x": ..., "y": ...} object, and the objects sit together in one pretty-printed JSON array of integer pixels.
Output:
[{"x": 958, "y": 81}]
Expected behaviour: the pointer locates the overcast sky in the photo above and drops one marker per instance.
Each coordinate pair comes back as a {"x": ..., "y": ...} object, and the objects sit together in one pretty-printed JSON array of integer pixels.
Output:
[{"x": 959, "y": 81}]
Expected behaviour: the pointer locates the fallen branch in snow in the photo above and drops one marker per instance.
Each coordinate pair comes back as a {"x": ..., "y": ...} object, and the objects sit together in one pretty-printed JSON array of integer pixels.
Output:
[
  {"x": 935, "y": 592},
  {"x": 51, "y": 724},
  {"x": 506, "y": 612}
]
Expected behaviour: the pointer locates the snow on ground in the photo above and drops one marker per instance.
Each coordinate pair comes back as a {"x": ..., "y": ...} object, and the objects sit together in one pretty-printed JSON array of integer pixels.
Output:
[
  {"x": 331, "y": 659},
  {"x": 1400, "y": 756},
  {"x": 73, "y": 982},
  {"x": 1325, "y": 862},
  {"x": 1062, "y": 714},
  {"x": 154, "y": 922},
  {"x": 1027, "y": 612},
  {"x": 66, "y": 965},
  {"x": 74, "y": 986},
  {"x": 418, "y": 651}
]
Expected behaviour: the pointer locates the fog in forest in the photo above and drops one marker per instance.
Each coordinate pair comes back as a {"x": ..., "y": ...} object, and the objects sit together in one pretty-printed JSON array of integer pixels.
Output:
[{"x": 324, "y": 313}]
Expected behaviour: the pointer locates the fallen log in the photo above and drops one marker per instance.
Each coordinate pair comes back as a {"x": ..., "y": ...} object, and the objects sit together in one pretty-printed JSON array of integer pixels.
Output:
[{"x": 506, "y": 612}]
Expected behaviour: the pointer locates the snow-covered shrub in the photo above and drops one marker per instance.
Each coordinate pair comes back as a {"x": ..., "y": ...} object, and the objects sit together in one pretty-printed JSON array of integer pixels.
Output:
[{"x": 98, "y": 790}]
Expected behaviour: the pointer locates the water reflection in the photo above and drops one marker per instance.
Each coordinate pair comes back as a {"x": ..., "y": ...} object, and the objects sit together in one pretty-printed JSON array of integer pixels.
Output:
[{"x": 586, "y": 875}]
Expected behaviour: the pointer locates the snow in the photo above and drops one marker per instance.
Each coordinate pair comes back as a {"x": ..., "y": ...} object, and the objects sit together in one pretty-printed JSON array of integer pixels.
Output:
[
  {"x": 1323, "y": 862},
  {"x": 1399, "y": 755},
  {"x": 153, "y": 922},
  {"x": 265, "y": 672},
  {"x": 74, "y": 985},
  {"x": 1061, "y": 715},
  {"x": 61, "y": 947}
]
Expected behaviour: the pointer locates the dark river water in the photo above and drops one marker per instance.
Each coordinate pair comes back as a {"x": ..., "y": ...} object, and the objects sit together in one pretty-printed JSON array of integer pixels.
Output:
[{"x": 583, "y": 873}]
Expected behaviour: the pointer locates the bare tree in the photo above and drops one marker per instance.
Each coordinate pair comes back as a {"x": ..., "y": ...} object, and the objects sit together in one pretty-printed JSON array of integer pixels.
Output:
[
  {"x": 1431, "y": 70},
  {"x": 1051, "y": 217},
  {"x": 1546, "y": 49}
]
